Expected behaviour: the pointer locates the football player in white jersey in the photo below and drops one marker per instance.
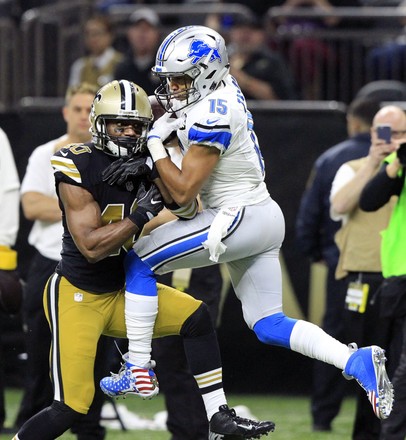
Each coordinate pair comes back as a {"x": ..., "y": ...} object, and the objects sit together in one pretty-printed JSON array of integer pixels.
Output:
[{"x": 240, "y": 224}]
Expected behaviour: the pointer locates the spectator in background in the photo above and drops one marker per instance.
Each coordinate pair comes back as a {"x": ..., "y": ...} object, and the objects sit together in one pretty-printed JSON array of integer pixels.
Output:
[
  {"x": 260, "y": 72},
  {"x": 98, "y": 65},
  {"x": 315, "y": 232},
  {"x": 389, "y": 181},
  {"x": 310, "y": 58},
  {"x": 10, "y": 288},
  {"x": 40, "y": 204},
  {"x": 359, "y": 242},
  {"x": 143, "y": 36}
]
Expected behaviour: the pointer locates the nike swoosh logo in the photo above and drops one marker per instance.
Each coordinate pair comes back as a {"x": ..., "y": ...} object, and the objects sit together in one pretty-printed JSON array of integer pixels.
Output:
[
  {"x": 211, "y": 121},
  {"x": 249, "y": 426},
  {"x": 155, "y": 202}
]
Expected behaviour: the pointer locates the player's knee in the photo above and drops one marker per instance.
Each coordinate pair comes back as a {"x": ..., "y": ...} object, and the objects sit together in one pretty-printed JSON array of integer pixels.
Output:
[
  {"x": 199, "y": 323},
  {"x": 275, "y": 329},
  {"x": 64, "y": 414}
]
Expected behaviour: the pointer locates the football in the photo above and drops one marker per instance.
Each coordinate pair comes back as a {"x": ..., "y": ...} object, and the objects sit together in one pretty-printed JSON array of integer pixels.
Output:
[{"x": 11, "y": 292}]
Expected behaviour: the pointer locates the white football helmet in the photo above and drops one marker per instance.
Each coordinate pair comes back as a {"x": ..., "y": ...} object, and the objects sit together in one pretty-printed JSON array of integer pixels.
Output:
[
  {"x": 120, "y": 101},
  {"x": 196, "y": 51}
]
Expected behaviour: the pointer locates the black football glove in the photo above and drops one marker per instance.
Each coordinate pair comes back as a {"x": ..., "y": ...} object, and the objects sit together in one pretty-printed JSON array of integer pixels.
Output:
[
  {"x": 122, "y": 171},
  {"x": 150, "y": 203}
]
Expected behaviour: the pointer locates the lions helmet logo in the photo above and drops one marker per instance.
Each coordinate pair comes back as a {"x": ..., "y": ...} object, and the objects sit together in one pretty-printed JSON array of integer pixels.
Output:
[{"x": 199, "y": 49}]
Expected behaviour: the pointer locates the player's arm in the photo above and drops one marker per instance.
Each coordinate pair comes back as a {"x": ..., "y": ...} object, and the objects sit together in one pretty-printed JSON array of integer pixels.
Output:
[
  {"x": 84, "y": 221},
  {"x": 184, "y": 185}
]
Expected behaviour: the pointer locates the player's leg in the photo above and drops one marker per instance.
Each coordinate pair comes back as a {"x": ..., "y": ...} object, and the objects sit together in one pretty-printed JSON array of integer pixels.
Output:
[
  {"x": 141, "y": 305},
  {"x": 258, "y": 284},
  {"x": 186, "y": 412},
  {"x": 259, "y": 287},
  {"x": 203, "y": 355},
  {"x": 140, "y": 309},
  {"x": 181, "y": 314}
]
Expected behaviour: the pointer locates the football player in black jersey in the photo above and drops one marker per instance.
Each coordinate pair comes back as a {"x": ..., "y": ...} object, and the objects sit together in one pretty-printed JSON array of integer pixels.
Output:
[{"x": 84, "y": 298}]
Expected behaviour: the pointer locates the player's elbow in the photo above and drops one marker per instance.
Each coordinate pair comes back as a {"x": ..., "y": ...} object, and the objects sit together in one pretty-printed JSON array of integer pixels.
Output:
[
  {"x": 92, "y": 256},
  {"x": 92, "y": 259},
  {"x": 186, "y": 196}
]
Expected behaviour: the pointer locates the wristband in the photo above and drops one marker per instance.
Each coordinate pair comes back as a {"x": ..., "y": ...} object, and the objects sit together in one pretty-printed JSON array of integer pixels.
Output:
[
  {"x": 156, "y": 148},
  {"x": 8, "y": 258},
  {"x": 139, "y": 217}
]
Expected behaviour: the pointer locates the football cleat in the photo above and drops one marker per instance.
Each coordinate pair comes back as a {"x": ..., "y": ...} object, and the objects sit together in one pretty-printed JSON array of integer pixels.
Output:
[
  {"x": 367, "y": 366},
  {"x": 226, "y": 425},
  {"x": 132, "y": 379}
]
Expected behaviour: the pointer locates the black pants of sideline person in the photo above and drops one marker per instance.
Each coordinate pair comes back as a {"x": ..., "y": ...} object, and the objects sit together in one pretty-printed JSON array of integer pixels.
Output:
[
  {"x": 38, "y": 392},
  {"x": 329, "y": 387},
  {"x": 187, "y": 419},
  {"x": 366, "y": 329}
]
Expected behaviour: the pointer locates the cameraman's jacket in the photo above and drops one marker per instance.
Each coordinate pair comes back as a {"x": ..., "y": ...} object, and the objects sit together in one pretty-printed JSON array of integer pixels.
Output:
[
  {"x": 376, "y": 193},
  {"x": 359, "y": 238},
  {"x": 393, "y": 250}
]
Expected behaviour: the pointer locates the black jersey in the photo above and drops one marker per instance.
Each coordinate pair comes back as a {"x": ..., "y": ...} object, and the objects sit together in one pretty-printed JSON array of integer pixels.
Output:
[{"x": 82, "y": 165}]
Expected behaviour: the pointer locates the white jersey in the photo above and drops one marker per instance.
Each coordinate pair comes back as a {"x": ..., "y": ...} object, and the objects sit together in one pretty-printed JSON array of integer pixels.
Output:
[
  {"x": 221, "y": 120},
  {"x": 9, "y": 193},
  {"x": 46, "y": 237},
  {"x": 344, "y": 174}
]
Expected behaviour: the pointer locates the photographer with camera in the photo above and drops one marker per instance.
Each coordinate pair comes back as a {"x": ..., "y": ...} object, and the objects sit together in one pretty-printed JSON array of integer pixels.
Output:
[
  {"x": 359, "y": 241},
  {"x": 388, "y": 182}
]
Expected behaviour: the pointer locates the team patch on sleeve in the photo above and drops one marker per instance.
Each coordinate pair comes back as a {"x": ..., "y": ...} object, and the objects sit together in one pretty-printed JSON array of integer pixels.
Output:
[{"x": 67, "y": 167}]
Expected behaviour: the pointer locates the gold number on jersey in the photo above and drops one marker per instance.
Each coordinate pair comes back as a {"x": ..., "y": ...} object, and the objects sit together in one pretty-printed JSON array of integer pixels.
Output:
[
  {"x": 114, "y": 213},
  {"x": 78, "y": 148}
]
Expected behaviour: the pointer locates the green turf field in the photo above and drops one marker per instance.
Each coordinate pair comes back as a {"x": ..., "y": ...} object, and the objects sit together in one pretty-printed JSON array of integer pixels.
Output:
[{"x": 291, "y": 415}]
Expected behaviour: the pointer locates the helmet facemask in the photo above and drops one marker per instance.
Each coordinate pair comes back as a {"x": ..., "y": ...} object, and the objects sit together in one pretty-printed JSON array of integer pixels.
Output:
[
  {"x": 173, "y": 101},
  {"x": 121, "y": 146}
]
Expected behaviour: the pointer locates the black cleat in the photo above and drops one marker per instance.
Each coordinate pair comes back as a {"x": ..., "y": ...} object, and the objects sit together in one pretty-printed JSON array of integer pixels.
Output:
[{"x": 226, "y": 425}]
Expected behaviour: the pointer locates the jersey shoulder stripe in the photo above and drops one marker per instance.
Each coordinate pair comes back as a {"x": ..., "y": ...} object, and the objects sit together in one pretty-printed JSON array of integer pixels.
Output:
[{"x": 67, "y": 167}]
